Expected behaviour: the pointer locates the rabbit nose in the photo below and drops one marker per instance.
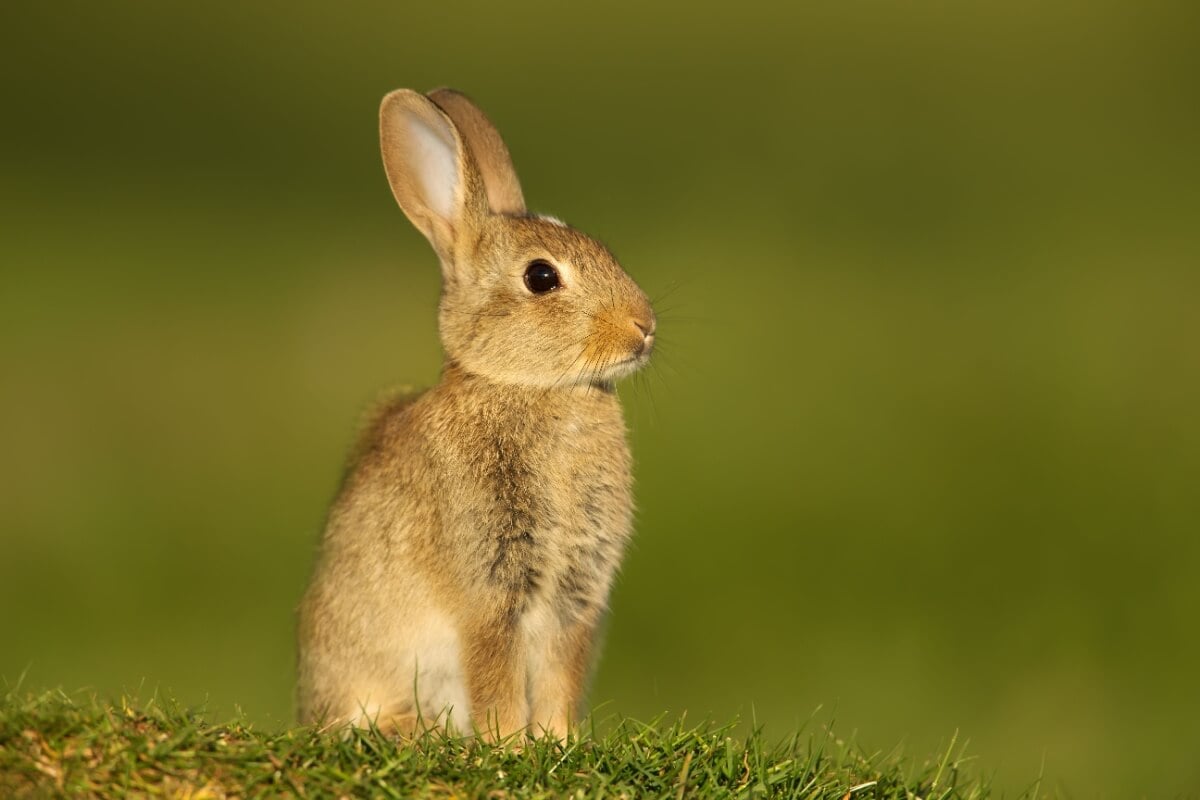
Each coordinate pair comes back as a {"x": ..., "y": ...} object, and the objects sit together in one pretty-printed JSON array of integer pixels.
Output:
[{"x": 647, "y": 328}]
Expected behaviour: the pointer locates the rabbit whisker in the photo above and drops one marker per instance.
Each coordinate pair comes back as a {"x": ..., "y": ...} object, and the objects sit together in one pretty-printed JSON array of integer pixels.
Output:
[
  {"x": 644, "y": 377},
  {"x": 571, "y": 366},
  {"x": 569, "y": 345},
  {"x": 665, "y": 293}
]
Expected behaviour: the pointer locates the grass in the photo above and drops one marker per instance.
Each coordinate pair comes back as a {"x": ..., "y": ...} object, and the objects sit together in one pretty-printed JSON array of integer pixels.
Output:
[{"x": 54, "y": 744}]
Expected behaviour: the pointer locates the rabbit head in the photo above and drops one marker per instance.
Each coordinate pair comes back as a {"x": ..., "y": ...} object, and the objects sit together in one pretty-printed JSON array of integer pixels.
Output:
[{"x": 525, "y": 299}]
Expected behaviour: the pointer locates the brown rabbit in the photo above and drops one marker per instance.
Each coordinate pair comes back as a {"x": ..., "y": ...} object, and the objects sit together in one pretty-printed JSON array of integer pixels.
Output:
[{"x": 468, "y": 558}]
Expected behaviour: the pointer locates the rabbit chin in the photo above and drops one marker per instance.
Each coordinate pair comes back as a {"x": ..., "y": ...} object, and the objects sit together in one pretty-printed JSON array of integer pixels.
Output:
[
  {"x": 623, "y": 368},
  {"x": 596, "y": 375}
]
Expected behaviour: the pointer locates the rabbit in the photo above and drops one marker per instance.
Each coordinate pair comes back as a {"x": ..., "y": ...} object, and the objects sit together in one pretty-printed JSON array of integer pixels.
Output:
[{"x": 467, "y": 559}]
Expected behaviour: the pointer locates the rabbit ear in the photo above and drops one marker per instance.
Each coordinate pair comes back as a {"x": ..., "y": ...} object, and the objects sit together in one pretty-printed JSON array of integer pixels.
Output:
[
  {"x": 483, "y": 140},
  {"x": 431, "y": 172}
]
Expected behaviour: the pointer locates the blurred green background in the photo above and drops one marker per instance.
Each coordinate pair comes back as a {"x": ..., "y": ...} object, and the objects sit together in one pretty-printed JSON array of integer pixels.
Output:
[{"x": 922, "y": 442}]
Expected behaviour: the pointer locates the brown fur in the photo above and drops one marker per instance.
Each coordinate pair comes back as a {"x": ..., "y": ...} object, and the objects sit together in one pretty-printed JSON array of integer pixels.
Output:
[{"x": 472, "y": 547}]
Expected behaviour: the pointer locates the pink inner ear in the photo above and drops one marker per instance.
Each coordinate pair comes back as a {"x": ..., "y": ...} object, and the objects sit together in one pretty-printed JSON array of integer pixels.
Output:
[{"x": 435, "y": 162}]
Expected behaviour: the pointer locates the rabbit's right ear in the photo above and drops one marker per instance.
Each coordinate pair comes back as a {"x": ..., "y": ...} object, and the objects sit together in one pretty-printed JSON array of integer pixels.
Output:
[
  {"x": 487, "y": 148},
  {"x": 430, "y": 169}
]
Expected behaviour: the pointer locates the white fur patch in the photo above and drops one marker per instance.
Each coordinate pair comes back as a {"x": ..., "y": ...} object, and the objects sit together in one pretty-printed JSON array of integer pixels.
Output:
[
  {"x": 436, "y": 160},
  {"x": 436, "y": 670},
  {"x": 552, "y": 220},
  {"x": 366, "y": 714}
]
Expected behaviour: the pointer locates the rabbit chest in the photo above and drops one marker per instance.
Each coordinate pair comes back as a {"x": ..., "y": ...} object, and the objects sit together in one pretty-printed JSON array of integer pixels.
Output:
[{"x": 539, "y": 501}]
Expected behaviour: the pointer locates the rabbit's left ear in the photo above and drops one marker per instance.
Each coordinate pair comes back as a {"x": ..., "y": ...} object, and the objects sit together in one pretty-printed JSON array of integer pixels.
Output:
[
  {"x": 431, "y": 171},
  {"x": 491, "y": 155}
]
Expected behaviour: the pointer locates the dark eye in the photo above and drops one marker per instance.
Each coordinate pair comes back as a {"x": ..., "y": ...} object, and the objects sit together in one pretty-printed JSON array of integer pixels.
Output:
[{"x": 541, "y": 277}]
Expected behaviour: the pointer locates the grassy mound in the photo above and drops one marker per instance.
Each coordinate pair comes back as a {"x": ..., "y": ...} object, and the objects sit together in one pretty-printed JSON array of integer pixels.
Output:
[{"x": 56, "y": 745}]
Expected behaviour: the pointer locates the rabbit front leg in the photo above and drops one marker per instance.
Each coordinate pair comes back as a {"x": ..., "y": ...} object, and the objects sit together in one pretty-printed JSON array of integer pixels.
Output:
[
  {"x": 560, "y": 661},
  {"x": 496, "y": 669}
]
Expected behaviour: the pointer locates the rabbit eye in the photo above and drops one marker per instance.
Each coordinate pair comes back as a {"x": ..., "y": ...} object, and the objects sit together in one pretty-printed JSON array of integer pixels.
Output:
[{"x": 541, "y": 277}]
